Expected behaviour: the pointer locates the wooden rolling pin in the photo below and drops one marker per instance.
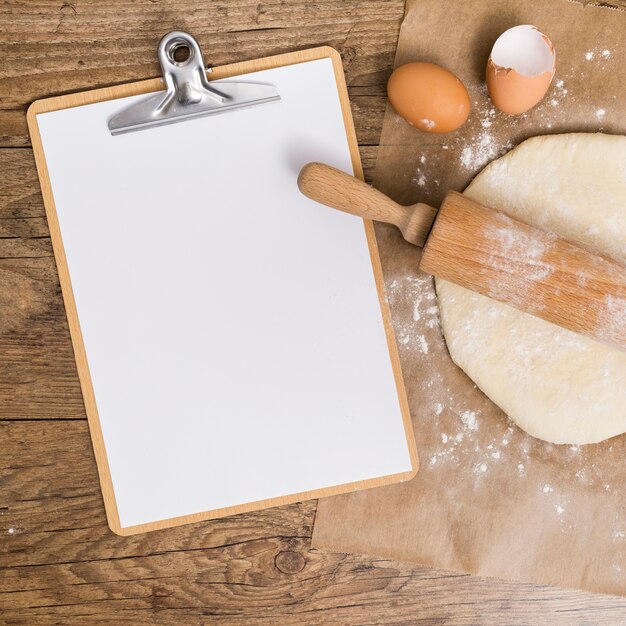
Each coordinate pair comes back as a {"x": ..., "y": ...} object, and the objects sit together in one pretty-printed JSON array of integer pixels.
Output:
[{"x": 491, "y": 253}]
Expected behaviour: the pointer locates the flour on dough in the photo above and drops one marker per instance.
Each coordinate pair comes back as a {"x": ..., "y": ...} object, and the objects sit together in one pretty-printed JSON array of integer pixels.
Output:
[{"x": 555, "y": 384}]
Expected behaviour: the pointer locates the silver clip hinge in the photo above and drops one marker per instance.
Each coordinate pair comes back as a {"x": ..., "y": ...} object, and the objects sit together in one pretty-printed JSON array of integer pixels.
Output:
[{"x": 189, "y": 94}]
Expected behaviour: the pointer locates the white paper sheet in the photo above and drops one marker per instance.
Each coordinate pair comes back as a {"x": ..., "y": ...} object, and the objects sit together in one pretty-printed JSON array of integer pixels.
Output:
[{"x": 231, "y": 325}]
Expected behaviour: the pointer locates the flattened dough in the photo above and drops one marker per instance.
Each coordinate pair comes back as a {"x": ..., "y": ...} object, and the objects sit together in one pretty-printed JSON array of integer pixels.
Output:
[{"x": 555, "y": 384}]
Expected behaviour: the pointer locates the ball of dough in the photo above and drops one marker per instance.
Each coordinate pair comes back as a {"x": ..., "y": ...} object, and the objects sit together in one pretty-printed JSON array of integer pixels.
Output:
[{"x": 555, "y": 384}]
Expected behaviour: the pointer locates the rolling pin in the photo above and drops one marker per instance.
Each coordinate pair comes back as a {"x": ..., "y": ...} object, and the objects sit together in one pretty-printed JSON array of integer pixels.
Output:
[{"x": 487, "y": 251}]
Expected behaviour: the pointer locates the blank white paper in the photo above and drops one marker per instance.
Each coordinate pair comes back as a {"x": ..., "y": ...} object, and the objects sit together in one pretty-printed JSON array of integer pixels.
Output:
[{"x": 232, "y": 326}]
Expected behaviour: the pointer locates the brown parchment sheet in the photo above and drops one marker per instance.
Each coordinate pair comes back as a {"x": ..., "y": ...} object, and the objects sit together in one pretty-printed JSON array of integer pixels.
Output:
[{"x": 488, "y": 499}]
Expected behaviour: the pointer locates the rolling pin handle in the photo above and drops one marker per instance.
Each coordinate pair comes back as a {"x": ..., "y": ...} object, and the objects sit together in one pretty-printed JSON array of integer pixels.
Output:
[{"x": 346, "y": 193}]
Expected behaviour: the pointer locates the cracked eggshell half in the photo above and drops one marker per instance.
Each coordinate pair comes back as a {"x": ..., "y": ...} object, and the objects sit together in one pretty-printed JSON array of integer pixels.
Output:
[
  {"x": 520, "y": 69},
  {"x": 428, "y": 97}
]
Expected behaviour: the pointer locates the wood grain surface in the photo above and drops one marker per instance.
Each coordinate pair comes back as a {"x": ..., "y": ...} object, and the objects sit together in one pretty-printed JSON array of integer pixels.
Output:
[{"x": 59, "y": 562}]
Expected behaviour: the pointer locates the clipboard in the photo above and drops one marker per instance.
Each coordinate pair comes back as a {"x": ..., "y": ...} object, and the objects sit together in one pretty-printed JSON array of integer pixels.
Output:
[{"x": 203, "y": 403}]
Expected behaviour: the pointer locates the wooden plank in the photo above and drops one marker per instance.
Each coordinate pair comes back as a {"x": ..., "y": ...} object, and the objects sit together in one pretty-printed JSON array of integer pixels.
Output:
[
  {"x": 368, "y": 112},
  {"x": 37, "y": 372},
  {"x": 13, "y": 130},
  {"x": 52, "y": 48},
  {"x": 51, "y": 498},
  {"x": 60, "y": 564}
]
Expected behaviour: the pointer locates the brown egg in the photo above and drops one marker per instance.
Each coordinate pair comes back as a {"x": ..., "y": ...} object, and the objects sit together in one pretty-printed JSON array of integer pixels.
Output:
[
  {"x": 428, "y": 97},
  {"x": 520, "y": 69}
]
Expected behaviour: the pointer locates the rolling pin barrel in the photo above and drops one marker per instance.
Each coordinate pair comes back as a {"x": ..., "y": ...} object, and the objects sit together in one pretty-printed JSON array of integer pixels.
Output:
[{"x": 531, "y": 269}]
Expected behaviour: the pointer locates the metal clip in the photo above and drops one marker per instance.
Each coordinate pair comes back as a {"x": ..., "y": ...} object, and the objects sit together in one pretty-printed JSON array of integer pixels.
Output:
[{"x": 189, "y": 94}]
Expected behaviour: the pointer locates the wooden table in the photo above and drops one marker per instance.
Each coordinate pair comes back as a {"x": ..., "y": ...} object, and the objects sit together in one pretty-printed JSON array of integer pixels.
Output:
[{"x": 59, "y": 562}]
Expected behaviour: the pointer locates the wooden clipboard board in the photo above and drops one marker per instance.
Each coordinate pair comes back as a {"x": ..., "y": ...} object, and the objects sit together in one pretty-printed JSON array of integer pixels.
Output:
[{"x": 145, "y": 87}]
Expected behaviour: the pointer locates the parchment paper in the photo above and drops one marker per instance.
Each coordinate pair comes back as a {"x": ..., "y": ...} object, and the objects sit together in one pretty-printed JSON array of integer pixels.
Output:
[{"x": 488, "y": 498}]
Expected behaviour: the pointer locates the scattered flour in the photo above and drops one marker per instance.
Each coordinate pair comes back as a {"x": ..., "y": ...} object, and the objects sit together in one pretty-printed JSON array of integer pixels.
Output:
[
  {"x": 414, "y": 291},
  {"x": 469, "y": 420},
  {"x": 466, "y": 157},
  {"x": 423, "y": 344},
  {"x": 605, "y": 54},
  {"x": 421, "y": 180},
  {"x": 416, "y": 311},
  {"x": 483, "y": 149}
]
